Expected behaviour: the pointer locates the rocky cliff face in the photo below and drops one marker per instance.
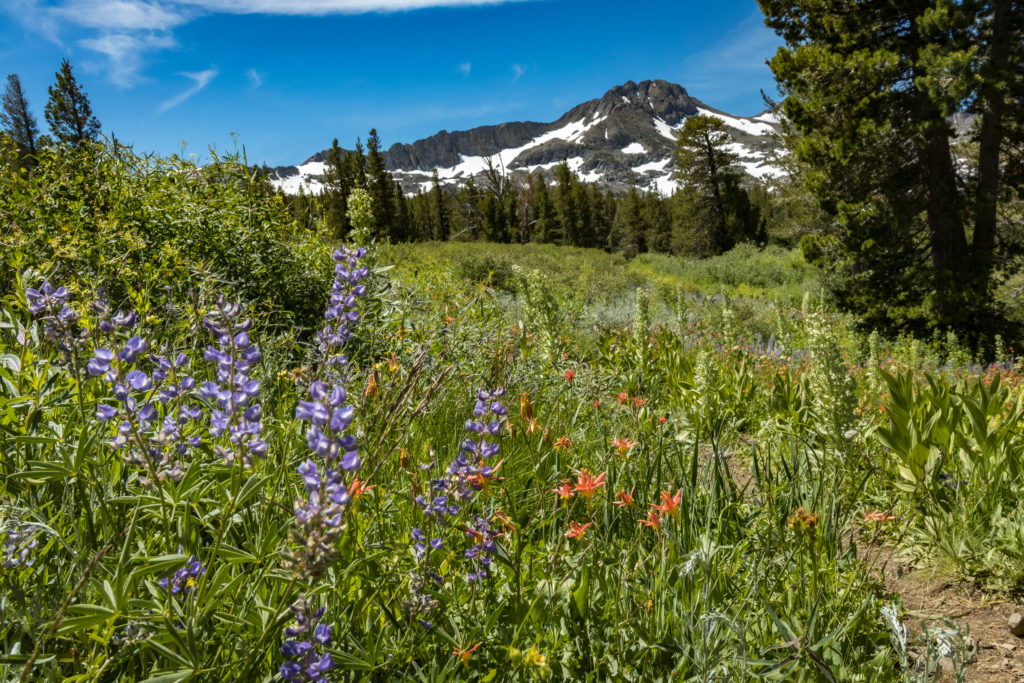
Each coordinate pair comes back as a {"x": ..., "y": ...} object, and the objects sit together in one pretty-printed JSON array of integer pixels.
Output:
[{"x": 627, "y": 135}]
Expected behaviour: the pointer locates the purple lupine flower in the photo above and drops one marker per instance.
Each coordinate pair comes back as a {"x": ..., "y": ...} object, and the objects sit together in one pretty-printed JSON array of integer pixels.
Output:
[
  {"x": 319, "y": 521},
  {"x": 238, "y": 413},
  {"x": 468, "y": 473},
  {"x": 306, "y": 660},
  {"x": 19, "y": 540},
  {"x": 320, "y": 517},
  {"x": 149, "y": 432},
  {"x": 49, "y": 306},
  {"x": 185, "y": 579},
  {"x": 341, "y": 310}
]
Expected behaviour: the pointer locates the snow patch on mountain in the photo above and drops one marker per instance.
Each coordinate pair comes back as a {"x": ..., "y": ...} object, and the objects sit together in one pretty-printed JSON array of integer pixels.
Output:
[
  {"x": 748, "y": 126},
  {"x": 627, "y": 136}
]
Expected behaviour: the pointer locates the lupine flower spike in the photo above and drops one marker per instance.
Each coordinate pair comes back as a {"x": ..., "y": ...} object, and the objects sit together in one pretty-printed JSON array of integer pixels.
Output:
[
  {"x": 235, "y": 394},
  {"x": 304, "y": 649}
]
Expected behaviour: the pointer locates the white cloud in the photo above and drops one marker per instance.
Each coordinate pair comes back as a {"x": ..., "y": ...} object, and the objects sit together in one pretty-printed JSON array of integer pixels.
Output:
[
  {"x": 322, "y": 7},
  {"x": 255, "y": 78},
  {"x": 517, "y": 72},
  {"x": 124, "y": 53},
  {"x": 126, "y": 29},
  {"x": 465, "y": 67},
  {"x": 117, "y": 15},
  {"x": 201, "y": 78}
]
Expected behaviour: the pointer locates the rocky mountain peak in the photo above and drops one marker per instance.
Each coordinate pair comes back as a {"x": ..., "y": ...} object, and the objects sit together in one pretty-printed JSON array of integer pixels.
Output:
[{"x": 627, "y": 135}]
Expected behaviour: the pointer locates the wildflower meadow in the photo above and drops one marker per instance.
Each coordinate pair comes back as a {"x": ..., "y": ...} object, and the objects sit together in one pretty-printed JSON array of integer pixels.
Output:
[{"x": 241, "y": 452}]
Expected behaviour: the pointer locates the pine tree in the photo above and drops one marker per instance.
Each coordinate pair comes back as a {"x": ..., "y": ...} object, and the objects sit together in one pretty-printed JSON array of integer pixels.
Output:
[
  {"x": 337, "y": 187},
  {"x": 566, "y": 202},
  {"x": 869, "y": 91},
  {"x": 440, "y": 215},
  {"x": 702, "y": 165},
  {"x": 379, "y": 186},
  {"x": 16, "y": 118},
  {"x": 68, "y": 111},
  {"x": 657, "y": 220},
  {"x": 629, "y": 229},
  {"x": 545, "y": 220}
]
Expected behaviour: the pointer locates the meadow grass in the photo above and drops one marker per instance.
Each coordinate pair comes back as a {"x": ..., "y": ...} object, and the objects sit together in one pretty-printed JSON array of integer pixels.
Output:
[{"x": 535, "y": 463}]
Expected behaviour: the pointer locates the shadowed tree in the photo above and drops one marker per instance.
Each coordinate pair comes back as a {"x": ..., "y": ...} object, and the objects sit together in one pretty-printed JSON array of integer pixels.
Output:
[{"x": 870, "y": 88}]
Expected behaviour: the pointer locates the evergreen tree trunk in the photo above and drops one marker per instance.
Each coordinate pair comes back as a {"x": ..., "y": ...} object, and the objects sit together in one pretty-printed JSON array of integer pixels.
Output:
[{"x": 990, "y": 135}]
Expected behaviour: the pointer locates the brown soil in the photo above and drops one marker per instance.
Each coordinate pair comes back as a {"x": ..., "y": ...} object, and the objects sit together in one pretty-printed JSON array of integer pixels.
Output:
[{"x": 930, "y": 595}]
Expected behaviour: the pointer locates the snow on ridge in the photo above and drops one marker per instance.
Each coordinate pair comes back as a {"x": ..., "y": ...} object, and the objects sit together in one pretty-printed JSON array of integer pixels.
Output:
[
  {"x": 471, "y": 165},
  {"x": 313, "y": 168},
  {"x": 666, "y": 185},
  {"x": 746, "y": 125},
  {"x": 664, "y": 129},
  {"x": 574, "y": 163},
  {"x": 652, "y": 166},
  {"x": 761, "y": 169},
  {"x": 634, "y": 148},
  {"x": 768, "y": 117},
  {"x": 293, "y": 183}
]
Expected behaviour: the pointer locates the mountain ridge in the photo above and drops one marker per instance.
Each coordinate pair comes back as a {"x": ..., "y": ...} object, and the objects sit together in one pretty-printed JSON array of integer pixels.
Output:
[{"x": 624, "y": 136}]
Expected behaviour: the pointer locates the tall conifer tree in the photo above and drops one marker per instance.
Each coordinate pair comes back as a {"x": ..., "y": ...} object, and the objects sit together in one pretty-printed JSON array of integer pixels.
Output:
[
  {"x": 869, "y": 89},
  {"x": 16, "y": 118},
  {"x": 68, "y": 111}
]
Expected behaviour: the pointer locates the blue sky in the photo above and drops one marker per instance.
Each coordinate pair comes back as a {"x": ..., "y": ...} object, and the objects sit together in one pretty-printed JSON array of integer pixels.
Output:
[{"x": 284, "y": 77}]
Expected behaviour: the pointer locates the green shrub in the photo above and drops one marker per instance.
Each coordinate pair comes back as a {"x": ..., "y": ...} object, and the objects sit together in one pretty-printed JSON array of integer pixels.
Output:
[{"x": 105, "y": 218}]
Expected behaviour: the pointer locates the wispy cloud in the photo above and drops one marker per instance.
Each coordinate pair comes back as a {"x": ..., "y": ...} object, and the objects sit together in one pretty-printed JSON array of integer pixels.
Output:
[
  {"x": 255, "y": 78},
  {"x": 465, "y": 68},
  {"x": 201, "y": 78},
  {"x": 323, "y": 7},
  {"x": 125, "y": 52},
  {"x": 735, "y": 61},
  {"x": 118, "y": 15},
  {"x": 517, "y": 72},
  {"x": 124, "y": 30}
]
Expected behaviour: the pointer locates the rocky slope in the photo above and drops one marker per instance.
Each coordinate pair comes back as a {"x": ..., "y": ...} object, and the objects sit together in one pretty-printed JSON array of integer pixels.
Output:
[{"x": 626, "y": 135}]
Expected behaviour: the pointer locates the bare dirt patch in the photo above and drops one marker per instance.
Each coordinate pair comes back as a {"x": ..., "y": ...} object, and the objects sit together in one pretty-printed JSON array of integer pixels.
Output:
[{"x": 930, "y": 595}]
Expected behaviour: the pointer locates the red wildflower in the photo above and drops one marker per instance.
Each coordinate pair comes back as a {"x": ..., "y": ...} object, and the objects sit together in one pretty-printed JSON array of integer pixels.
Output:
[
  {"x": 623, "y": 445},
  {"x": 624, "y": 500},
  {"x": 588, "y": 485},
  {"x": 465, "y": 653},
  {"x": 358, "y": 488},
  {"x": 653, "y": 520},
  {"x": 669, "y": 503},
  {"x": 566, "y": 490},
  {"x": 577, "y": 530}
]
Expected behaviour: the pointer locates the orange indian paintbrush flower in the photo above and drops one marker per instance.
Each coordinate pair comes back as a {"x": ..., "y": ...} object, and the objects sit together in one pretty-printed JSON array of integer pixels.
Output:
[
  {"x": 565, "y": 490},
  {"x": 653, "y": 520},
  {"x": 587, "y": 485},
  {"x": 669, "y": 503},
  {"x": 577, "y": 530},
  {"x": 623, "y": 445},
  {"x": 358, "y": 488},
  {"x": 465, "y": 653},
  {"x": 623, "y": 499}
]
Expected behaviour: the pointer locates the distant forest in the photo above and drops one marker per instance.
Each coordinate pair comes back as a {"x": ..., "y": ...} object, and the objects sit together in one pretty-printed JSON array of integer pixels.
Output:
[{"x": 716, "y": 211}]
